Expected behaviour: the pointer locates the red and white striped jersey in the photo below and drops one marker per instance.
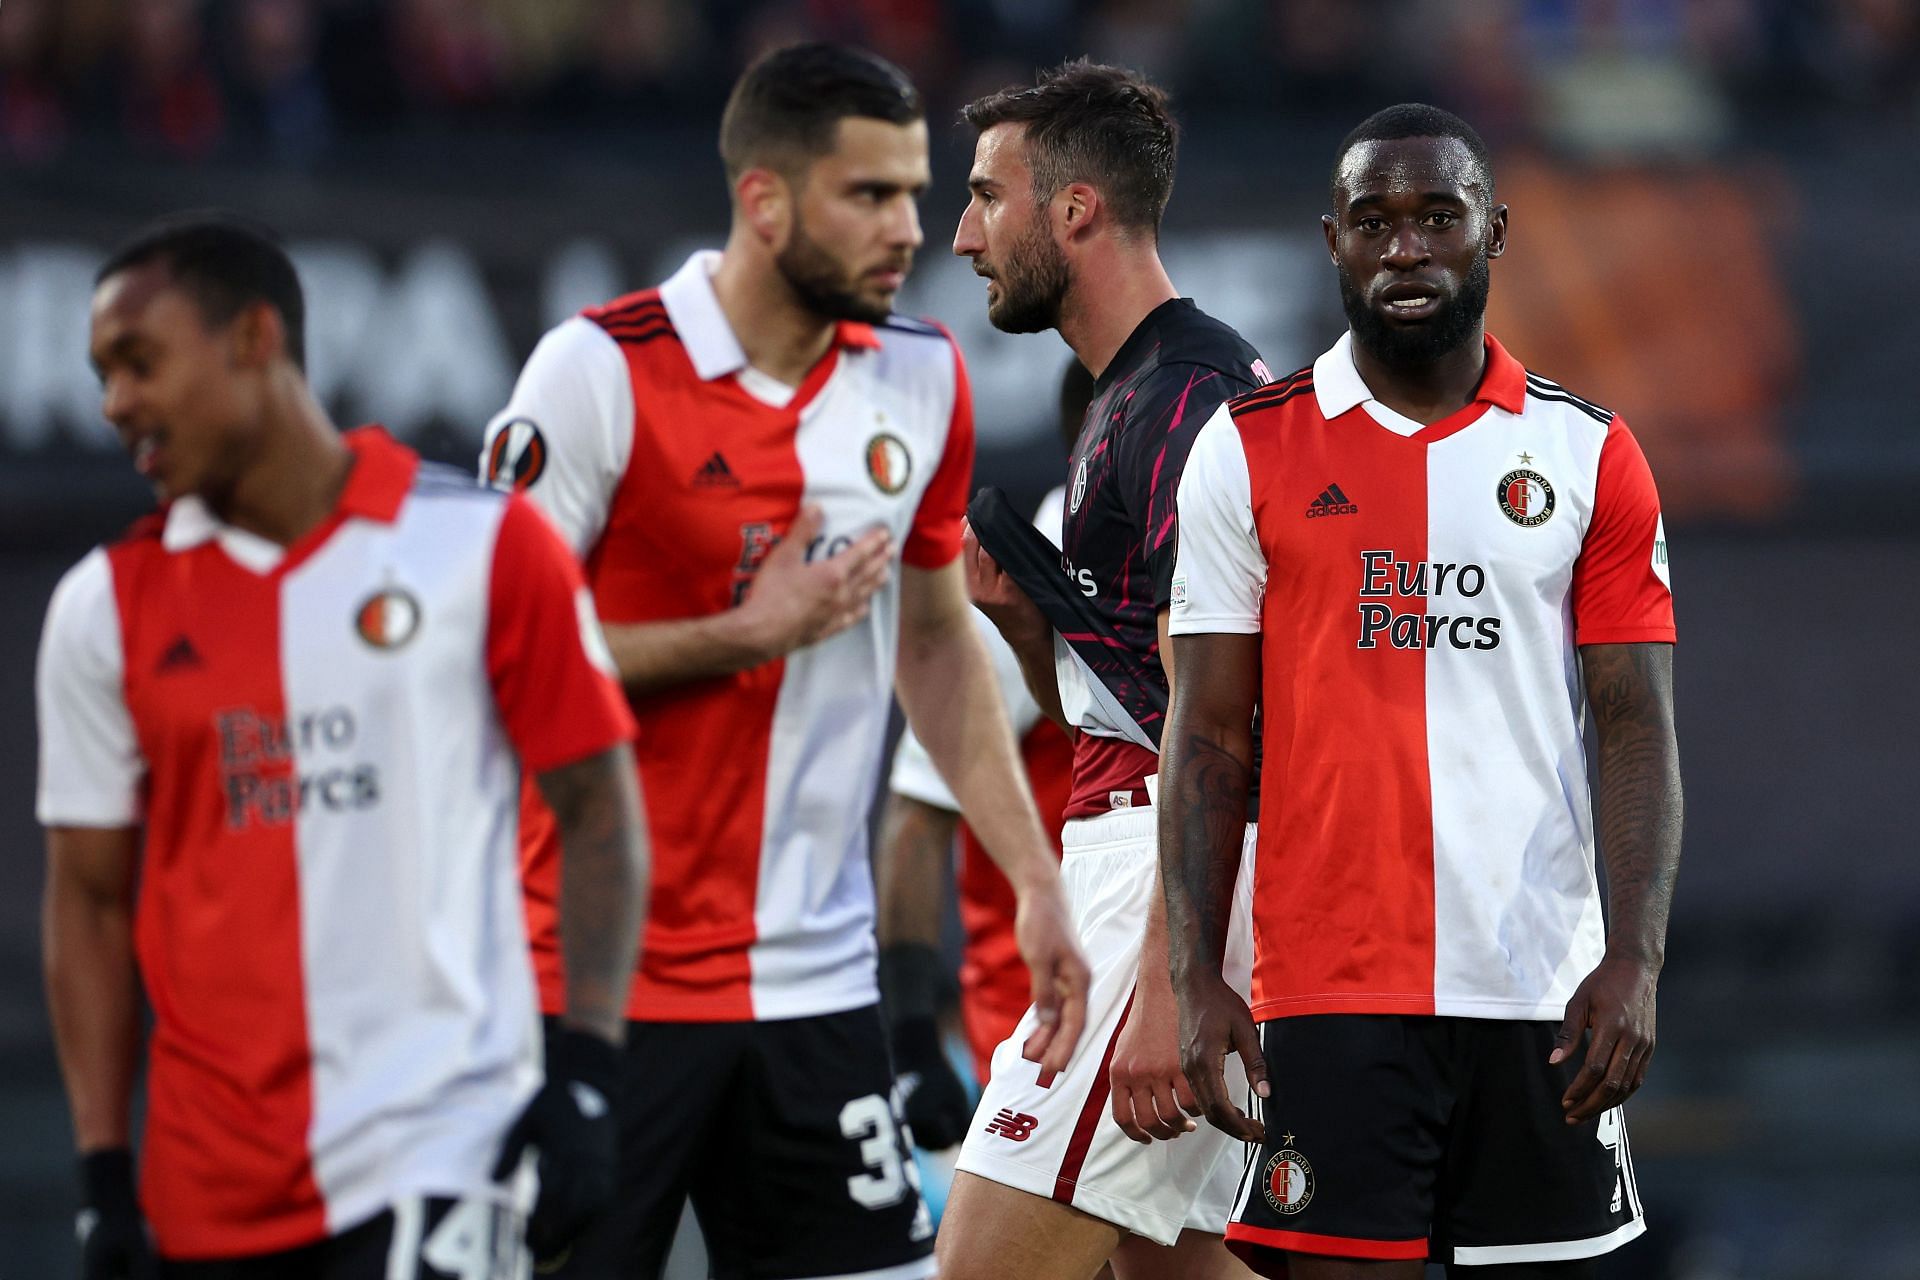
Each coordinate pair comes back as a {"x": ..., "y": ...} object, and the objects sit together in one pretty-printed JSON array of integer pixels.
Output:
[
  {"x": 1426, "y": 840},
  {"x": 673, "y": 467},
  {"x": 323, "y": 745}
]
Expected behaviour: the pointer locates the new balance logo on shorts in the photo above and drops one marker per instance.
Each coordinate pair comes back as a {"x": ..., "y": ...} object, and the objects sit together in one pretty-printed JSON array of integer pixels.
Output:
[
  {"x": 1331, "y": 502},
  {"x": 714, "y": 473},
  {"x": 1012, "y": 1126}
]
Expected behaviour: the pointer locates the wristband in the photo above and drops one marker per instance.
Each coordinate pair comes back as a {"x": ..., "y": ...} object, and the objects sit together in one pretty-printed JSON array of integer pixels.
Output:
[
  {"x": 106, "y": 1179},
  {"x": 913, "y": 981}
]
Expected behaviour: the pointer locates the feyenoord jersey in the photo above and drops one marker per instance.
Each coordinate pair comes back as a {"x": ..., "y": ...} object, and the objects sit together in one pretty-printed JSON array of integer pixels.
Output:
[
  {"x": 1426, "y": 843},
  {"x": 994, "y": 984},
  {"x": 672, "y": 467},
  {"x": 323, "y": 747},
  {"x": 1117, "y": 539}
]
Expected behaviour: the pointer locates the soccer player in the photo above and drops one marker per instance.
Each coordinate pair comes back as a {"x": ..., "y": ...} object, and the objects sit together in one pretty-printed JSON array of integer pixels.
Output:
[
  {"x": 914, "y": 863},
  {"x": 1069, "y": 181},
  {"x": 1429, "y": 565},
  {"x": 765, "y": 472},
  {"x": 292, "y": 708}
]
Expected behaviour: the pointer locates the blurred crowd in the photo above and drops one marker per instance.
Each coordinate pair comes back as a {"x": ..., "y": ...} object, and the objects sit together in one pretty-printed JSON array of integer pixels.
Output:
[{"x": 286, "y": 80}]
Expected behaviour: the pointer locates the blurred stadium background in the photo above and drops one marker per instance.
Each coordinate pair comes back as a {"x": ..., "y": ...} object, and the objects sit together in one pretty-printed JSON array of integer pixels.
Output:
[{"x": 1716, "y": 212}]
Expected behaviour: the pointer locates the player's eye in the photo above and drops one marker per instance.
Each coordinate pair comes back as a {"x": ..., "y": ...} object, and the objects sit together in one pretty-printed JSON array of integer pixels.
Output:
[
  {"x": 1372, "y": 226},
  {"x": 1441, "y": 220}
]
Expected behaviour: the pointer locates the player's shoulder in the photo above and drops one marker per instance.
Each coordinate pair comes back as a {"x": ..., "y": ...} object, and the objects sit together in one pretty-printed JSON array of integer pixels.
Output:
[
  {"x": 633, "y": 320},
  {"x": 915, "y": 340},
  {"x": 84, "y": 594},
  {"x": 1548, "y": 399},
  {"x": 436, "y": 481},
  {"x": 1192, "y": 337},
  {"x": 1295, "y": 389}
]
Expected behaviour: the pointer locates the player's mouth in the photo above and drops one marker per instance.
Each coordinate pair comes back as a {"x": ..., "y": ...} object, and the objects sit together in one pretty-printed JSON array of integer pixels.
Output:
[
  {"x": 888, "y": 278},
  {"x": 149, "y": 453},
  {"x": 1409, "y": 302}
]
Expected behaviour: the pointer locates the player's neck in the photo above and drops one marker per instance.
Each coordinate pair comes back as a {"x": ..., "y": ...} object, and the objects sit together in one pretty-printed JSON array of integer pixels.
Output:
[
  {"x": 1429, "y": 392},
  {"x": 294, "y": 479},
  {"x": 1121, "y": 288},
  {"x": 780, "y": 335}
]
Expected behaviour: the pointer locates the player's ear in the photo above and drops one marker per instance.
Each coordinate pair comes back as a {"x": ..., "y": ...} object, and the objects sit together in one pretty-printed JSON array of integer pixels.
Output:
[
  {"x": 764, "y": 200},
  {"x": 1497, "y": 231},
  {"x": 258, "y": 335},
  {"x": 1072, "y": 209},
  {"x": 1330, "y": 227}
]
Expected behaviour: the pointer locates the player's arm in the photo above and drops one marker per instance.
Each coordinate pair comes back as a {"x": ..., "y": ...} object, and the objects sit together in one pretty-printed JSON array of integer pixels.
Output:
[
  {"x": 912, "y": 868},
  {"x": 603, "y": 883},
  {"x": 1630, "y": 688},
  {"x": 791, "y": 604},
  {"x": 946, "y": 686},
  {"x": 93, "y": 988},
  {"x": 1020, "y": 623},
  {"x": 1215, "y": 592}
]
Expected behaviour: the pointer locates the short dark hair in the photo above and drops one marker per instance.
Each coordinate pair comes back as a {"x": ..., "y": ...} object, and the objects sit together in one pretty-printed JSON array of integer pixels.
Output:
[
  {"x": 225, "y": 264},
  {"x": 1086, "y": 122},
  {"x": 785, "y": 108},
  {"x": 1414, "y": 120}
]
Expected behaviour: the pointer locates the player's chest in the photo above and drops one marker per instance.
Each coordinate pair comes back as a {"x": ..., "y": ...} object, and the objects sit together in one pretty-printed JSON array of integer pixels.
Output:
[
  {"x": 712, "y": 491},
  {"x": 1100, "y": 519},
  {"x": 362, "y": 645},
  {"x": 1354, "y": 513}
]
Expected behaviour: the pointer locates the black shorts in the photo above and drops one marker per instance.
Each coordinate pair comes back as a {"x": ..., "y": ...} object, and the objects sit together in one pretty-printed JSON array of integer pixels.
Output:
[
  {"x": 440, "y": 1239},
  {"x": 787, "y": 1138},
  {"x": 1393, "y": 1136}
]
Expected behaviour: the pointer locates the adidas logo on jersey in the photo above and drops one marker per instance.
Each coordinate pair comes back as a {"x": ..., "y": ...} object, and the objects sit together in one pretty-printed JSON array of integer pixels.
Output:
[
  {"x": 179, "y": 656},
  {"x": 1331, "y": 502},
  {"x": 1012, "y": 1125},
  {"x": 714, "y": 473}
]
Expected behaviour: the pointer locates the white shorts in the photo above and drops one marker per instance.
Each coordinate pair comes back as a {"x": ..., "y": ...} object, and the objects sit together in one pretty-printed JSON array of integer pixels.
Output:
[{"x": 1059, "y": 1139}]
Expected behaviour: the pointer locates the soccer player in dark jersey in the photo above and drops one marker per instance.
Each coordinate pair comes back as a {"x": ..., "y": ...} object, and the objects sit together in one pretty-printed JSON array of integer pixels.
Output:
[
  {"x": 1433, "y": 565},
  {"x": 1060, "y": 1171}
]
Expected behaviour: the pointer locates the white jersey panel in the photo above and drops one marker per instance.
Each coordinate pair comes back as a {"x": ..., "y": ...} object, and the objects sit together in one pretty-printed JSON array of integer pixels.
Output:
[
  {"x": 406, "y": 840},
  {"x": 90, "y": 765},
  {"x": 570, "y": 424},
  {"x": 814, "y": 905},
  {"x": 1512, "y": 825}
]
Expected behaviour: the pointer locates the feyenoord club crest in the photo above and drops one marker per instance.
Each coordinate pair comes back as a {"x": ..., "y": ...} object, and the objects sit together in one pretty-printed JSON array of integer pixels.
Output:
[
  {"x": 889, "y": 463},
  {"x": 517, "y": 457},
  {"x": 1525, "y": 497},
  {"x": 1288, "y": 1181},
  {"x": 388, "y": 619}
]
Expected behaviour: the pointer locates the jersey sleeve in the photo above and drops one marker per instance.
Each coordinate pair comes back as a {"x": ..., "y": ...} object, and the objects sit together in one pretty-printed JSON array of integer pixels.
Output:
[
  {"x": 1220, "y": 572},
  {"x": 553, "y": 679},
  {"x": 90, "y": 765},
  {"x": 934, "y": 540},
  {"x": 1164, "y": 418},
  {"x": 567, "y": 432},
  {"x": 1622, "y": 593}
]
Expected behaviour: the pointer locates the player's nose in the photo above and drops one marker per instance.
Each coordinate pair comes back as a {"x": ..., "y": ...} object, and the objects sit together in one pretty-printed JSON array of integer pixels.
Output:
[
  {"x": 1405, "y": 249},
  {"x": 966, "y": 236}
]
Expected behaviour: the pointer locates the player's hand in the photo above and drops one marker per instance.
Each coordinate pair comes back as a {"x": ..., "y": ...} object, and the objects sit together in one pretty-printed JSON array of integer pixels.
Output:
[
  {"x": 1044, "y": 929},
  {"x": 997, "y": 595},
  {"x": 571, "y": 1126},
  {"x": 1615, "y": 1005},
  {"x": 1215, "y": 1021},
  {"x": 793, "y": 603},
  {"x": 1151, "y": 1097},
  {"x": 113, "y": 1239},
  {"x": 936, "y": 1103}
]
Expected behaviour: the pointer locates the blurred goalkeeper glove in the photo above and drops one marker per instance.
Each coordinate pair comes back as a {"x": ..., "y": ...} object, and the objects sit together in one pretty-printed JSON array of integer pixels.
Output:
[
  {"x": 572, "y": 1127},
  {"x": 912, "y": 981},
  {"x": 113, "y": 1239}
]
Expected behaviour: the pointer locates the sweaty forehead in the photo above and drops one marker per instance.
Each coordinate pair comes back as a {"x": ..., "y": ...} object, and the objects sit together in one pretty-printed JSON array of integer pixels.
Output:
[{"x": 1402, "y": 166}]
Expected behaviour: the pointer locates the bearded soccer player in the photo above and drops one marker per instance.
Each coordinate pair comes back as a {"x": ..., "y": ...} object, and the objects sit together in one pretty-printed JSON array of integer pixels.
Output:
[
  {"x": 920, "y": 826},
  {"x": 1431, "y": 565},
  {"x": 765, "y": 472},
  {"x": 1062, "y": 1171},
  {"x": 292, "y": 707}
]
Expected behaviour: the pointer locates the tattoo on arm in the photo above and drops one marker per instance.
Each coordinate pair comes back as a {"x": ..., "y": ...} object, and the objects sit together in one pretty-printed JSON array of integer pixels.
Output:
[
  {"x": 1209, "y": 814},
  {"x": 1630, "y": 687},
  {"x": 603, "y": 883}
]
